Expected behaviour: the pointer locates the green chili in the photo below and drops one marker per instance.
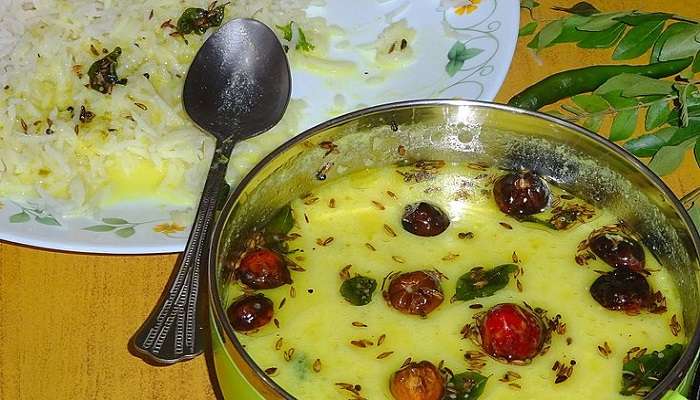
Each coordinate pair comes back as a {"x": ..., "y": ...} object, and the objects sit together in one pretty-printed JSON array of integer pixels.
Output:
[{"x": 583, "y": 80}]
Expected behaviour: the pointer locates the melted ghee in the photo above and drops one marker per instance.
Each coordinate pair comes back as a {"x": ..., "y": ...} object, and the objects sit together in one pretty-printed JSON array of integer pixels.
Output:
[{"x": 317, "y": 323}]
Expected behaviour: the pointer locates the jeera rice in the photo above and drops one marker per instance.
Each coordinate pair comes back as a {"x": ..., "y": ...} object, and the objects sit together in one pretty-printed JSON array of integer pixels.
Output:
[{"x": 72, "y": 150}]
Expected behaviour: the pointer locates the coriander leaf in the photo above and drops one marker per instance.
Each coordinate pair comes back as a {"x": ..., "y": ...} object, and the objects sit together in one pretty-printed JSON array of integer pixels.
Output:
[
  {"x": 684, "y": 43},
  {"x": 623, "y": 125},
  {"x": 286, "y": 31},
  {"x": 479, "y": 282},
  {"x": 647, "y": 145},
  {"x": 528, "y": 29},
  {"x": 591, "y": 103},
  {"x": 641, "y": 374},
  {"x": 358, "y": 290},
  {"x": 547, "y": 35},
  {"x": 638, "y": 18},
  {"x": 603, "y": 39},
  {"x": 593, "y": 122},
  {"x": 582, "y": 8},
  {"x": 302, "y": 43},
  {"x": 638, "y": 40},
  {"x": 601, "y": 22},
  {"x": 669, "y": 158},
  {"x": 657, "y": 114},
  {"x": 466, "y": 386},
  {"x": 633, "y": 85},
  {"x": 683, "y": 91},
  {"x": 671, "y": 30}
]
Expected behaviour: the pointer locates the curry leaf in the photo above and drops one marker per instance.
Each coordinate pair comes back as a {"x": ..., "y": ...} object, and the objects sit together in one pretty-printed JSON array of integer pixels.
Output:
[
  {"x": 601, "y": 22},
  {"x": 280, "y": 224},
  {"x": 669, "y": 158},
  {"x": 641, "y": 374},
  {"x": 684, "y": 43},
  {"x": 528, "y": 29},
  {"x": 638, "y": 40},
  {"x": 466, "y": 386},
  {"x": 593, "y": 123},
  {"x": 19, "y": 218},
  {"x": 603, "y": 39},
  {"x": 647, "y": 145},
  {"x": 633, "y": 85},
  {"x": 480, "y": 282},
  {"x": 591, "y": 103},
  {"x": 657, "y": 114},
  {"x": 358, "y": 290},
  {"x": 582, "y": 8},
  {"x": 638, "y": 18},
  {"x": 547, "y": 35},
  {"x": 670, "y": 31},
  {"x": 696, "y": 63},
  {"x": 569, "y": 33},
  {"x": 624, "y": 124}
]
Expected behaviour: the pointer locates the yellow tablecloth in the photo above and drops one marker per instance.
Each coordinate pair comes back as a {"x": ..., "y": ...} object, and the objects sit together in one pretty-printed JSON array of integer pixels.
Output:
[{"x": 65, "y": 319}]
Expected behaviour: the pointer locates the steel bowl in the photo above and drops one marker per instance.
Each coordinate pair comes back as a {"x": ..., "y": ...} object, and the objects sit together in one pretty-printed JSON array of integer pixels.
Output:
[{"x": 578, "y": 160}]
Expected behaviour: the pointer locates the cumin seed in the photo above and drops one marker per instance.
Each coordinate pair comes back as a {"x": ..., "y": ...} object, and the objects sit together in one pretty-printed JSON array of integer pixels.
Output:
[
  {"x": 270, "y": 370},
  {"x": 378, "y": 205},
  {"x": 276, "y": 322},
  {"x": 141, "y": 106},
  {"x": 331, "y": 203},
  {"x": 402, "y": 151},
  {"x": 392, "y": 194},
  {"x": 369, "y": 246},
  {"x": 398, "y": 259},
  {"x": 505, "y": 225},
  {"x": 278, "y": 344},
  {"x": 317, "y": 365},
  {"x": 404, "y": 43},
  {"x": 476, "y": 306},
  {"x": 284, "y": 300},
  {"x": 384, "y": 355},
  {"x": 292, "y": 292},
  {"x": 359, "y": 324},
  {"x": 381, "y": 339},
  {"x": 389, "y": 231}
]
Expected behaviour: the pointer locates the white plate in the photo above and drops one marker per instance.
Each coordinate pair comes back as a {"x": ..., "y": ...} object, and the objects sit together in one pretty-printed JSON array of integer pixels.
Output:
[{"x": 487, "y": 29}]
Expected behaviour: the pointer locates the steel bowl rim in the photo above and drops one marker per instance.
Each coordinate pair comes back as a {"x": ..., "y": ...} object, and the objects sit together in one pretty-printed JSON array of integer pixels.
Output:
[{"x": 672, "y": 379}]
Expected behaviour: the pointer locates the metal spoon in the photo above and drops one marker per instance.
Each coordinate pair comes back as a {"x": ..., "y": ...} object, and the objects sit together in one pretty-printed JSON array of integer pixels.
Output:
[{"x": 237, "y": 87}]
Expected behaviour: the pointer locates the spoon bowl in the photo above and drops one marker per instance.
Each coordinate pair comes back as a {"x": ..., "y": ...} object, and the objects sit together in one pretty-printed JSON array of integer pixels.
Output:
[{"x": 237, "y": 87}]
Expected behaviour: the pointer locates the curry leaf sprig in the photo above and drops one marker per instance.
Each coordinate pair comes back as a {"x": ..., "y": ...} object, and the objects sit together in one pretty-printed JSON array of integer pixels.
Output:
[{"x": 621, "y": 94}]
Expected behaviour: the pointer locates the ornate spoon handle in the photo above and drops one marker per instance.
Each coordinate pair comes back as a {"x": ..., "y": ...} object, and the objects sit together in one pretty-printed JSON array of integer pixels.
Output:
[{"x": 174, "y": 331}]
